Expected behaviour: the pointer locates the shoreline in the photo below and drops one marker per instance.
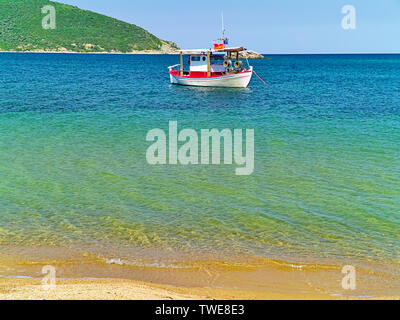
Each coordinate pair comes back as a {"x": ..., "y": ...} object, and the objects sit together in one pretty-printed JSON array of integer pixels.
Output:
[
  {"x": 88, "y": 276},
  {"x": 105, "y": 53}
]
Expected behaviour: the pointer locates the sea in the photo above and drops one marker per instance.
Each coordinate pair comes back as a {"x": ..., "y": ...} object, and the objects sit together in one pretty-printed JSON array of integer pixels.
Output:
[{"x": 325, "y": 189}]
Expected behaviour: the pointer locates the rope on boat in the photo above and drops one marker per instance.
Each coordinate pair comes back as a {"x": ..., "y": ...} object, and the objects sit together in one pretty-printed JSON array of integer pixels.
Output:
[
  {"x": 260, "y": 78},
  {"x": 256, "y": 73}
]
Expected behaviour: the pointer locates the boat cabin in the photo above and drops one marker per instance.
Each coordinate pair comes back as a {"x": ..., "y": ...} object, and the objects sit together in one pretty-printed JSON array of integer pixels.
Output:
[{"x": 198, "y": 65}]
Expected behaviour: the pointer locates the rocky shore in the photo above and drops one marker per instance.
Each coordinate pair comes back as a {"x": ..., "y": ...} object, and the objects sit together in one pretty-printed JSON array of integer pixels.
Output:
[{"x": 249, "y": 55}]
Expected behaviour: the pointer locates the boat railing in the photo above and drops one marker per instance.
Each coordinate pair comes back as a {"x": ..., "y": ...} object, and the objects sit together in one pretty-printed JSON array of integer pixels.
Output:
[{"x": 171, "y": 67}]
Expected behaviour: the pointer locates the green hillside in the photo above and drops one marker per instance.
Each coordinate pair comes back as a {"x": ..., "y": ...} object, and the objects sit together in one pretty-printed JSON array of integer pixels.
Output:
[{"x": 76, "y": 30}]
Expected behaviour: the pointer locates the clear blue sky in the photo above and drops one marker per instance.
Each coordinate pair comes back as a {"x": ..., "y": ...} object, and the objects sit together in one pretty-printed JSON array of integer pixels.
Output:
[{"x": 267, "y": 26}]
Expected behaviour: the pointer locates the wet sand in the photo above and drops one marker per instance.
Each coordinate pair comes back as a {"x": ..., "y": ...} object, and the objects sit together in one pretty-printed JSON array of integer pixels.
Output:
[
  {"x": 107, "y": 289},
  {"x": 88, "y": 276},
  {"x": 209, "y": 284}
]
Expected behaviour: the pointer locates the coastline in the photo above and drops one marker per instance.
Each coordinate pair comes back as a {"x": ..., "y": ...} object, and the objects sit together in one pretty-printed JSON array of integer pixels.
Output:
[
  {"x": 105, "y": 53},
  {"x": 89, "y": 276}
]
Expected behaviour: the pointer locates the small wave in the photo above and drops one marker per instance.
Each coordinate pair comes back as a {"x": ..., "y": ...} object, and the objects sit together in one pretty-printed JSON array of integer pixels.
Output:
[
  {"x": 116, "y": 261},
  {"x": 300, "y": 267},
  {"x": 18, "y": 277},
  {"x": 161, "y": 265}
]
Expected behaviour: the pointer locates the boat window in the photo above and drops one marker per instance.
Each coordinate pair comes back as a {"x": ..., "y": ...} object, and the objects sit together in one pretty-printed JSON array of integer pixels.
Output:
[
  {"x": 204, "y": 58},
  {"x": 195, "y": 58}
]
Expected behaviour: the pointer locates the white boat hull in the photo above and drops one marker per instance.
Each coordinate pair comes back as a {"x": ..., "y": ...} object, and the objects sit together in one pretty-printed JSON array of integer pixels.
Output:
[{"x": 239, "y": 80}]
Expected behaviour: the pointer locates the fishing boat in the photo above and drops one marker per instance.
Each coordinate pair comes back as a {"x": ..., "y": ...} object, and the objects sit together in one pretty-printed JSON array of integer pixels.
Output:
[
  {"x": 216, "y": 67},
  {"x": 205, "y": 71}
]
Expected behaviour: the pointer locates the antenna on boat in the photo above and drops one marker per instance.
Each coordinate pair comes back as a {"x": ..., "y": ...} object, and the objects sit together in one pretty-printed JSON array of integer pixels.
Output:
[
  {"x": 220, "y": 43},
  {"x": 223, "y": 26},
  {"x": 224, "y": 40}
]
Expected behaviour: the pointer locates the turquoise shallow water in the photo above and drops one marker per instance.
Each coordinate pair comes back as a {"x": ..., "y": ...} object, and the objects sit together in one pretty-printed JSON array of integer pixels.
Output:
[{"x": 73, "y": 170}]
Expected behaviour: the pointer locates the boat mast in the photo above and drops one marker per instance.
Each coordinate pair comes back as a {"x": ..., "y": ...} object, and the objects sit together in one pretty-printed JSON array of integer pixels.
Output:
[
  {"x": 208, "y": 64},
  {"x": 181, "y": 66},
  {"x": 223, "y": 27}
]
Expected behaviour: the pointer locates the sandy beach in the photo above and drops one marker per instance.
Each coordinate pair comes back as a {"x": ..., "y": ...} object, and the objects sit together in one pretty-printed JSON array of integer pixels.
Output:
[
  {"x": 107, "y": 289},
  {"x": 112, "y": 289}
]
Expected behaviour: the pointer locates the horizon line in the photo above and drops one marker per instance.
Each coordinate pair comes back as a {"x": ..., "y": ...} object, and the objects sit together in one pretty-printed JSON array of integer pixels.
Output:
[{"x": 172, "y": 54}]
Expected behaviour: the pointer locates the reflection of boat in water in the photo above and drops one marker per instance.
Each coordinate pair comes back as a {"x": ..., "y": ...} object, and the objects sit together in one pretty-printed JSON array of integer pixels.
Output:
[{"x": 213, "y": 67}]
